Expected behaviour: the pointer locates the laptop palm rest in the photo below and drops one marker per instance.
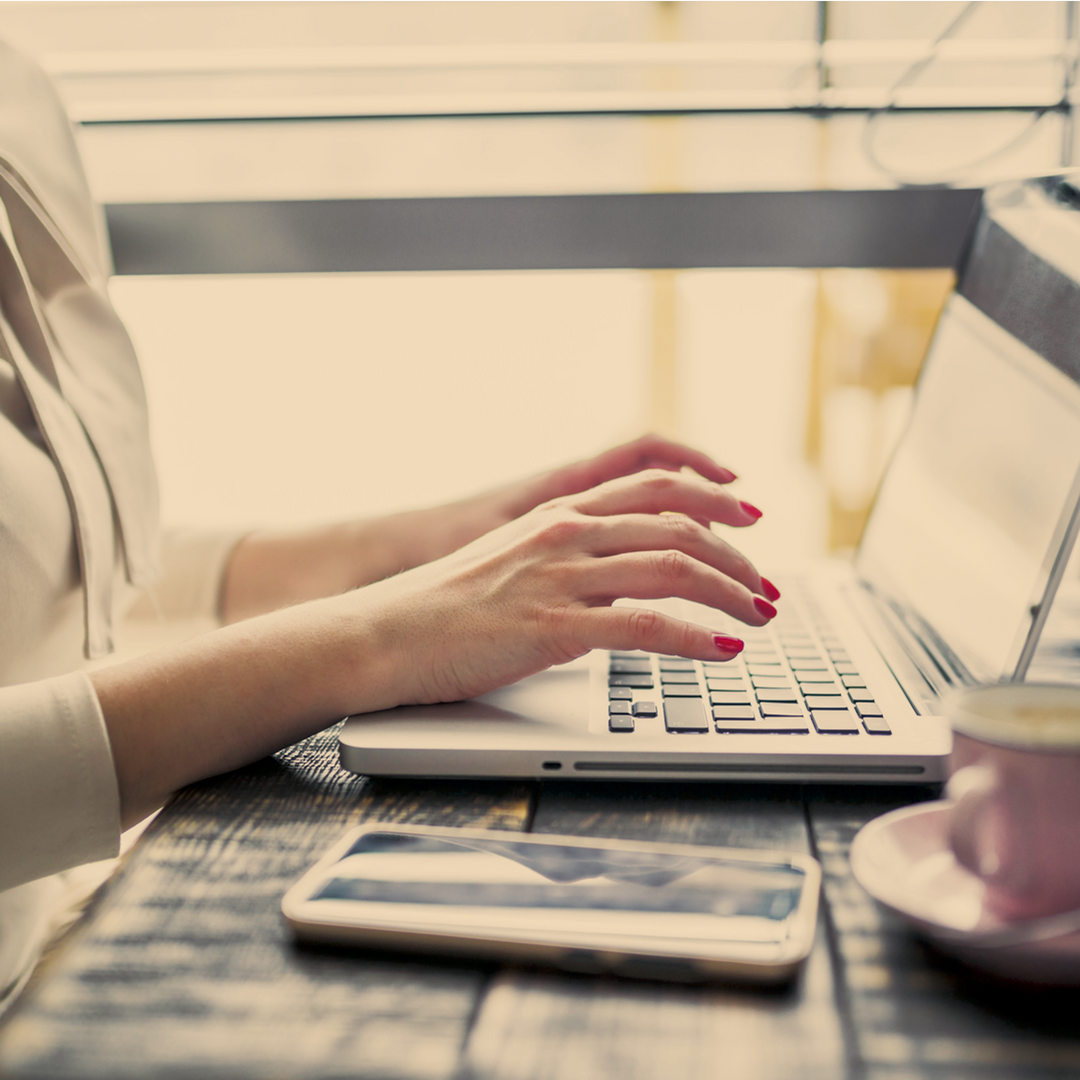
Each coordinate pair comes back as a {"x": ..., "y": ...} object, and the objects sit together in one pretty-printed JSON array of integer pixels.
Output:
[{"x": 532, "y": 716}]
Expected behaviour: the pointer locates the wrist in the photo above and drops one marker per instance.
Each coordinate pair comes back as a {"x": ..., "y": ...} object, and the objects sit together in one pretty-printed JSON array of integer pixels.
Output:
[
  {"x": 345, "y": 658},
  {"x": 224, "y": 699}
]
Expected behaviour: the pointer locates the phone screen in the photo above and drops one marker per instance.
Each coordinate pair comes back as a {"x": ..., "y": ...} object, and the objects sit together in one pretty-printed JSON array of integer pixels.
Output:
[{"x": 514, "y": 888}]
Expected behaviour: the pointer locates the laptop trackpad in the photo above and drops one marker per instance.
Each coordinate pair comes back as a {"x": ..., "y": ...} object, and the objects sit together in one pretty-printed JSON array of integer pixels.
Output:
[{"x": 557, "y": 697}]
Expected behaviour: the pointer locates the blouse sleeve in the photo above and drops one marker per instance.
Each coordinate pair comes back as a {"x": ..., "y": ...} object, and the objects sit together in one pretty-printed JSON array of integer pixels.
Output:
[
  {"x": 59, "y": 801},
  {"x": 192, "y": 569}
]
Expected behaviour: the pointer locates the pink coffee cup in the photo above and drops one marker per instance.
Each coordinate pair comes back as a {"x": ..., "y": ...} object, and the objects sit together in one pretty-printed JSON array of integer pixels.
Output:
[{"x": 1016, "y": 786}]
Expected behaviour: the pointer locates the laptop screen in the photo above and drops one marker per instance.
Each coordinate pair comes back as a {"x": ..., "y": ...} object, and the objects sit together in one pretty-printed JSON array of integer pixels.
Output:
[{"x": 978, "y": 497}]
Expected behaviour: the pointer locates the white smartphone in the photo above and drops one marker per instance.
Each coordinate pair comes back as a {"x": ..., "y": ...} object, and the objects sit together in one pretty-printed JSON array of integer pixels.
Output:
[{"x": 639, "y": 909}]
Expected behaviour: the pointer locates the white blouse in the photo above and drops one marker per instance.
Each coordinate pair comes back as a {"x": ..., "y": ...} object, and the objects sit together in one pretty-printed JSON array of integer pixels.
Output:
[{"x": 78, "y": 515}]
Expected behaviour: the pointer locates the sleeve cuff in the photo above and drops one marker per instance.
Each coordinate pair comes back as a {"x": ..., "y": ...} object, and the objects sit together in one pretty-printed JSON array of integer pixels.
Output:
[{"x": 59, "y": 800}]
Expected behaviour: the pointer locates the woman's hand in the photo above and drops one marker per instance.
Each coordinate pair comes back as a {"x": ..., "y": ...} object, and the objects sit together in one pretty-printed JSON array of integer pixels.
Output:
[
  {"x": 453, "y": 525},
  {"x": 539, "y": 590},
  {"x": 534, "y": 592},
  {"x": 271, "y": 570}
]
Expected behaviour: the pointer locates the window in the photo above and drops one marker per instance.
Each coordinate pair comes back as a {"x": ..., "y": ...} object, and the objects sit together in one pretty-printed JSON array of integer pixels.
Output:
[{"x": 396, "y": 389}]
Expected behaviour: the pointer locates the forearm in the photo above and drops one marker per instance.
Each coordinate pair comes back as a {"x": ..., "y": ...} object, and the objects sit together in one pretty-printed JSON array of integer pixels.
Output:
[
  {"x": 272, "y": 570},
  {"x": 232, "y": 696},
  {"x": 268, "y": 570}
]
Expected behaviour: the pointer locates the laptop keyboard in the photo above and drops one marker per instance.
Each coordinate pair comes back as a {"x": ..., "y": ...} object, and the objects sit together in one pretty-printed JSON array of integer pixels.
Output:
[{"x": 793, "y": 678}]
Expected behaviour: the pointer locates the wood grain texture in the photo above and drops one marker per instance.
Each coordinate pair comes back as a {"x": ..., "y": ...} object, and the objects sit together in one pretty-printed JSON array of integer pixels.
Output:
[
  {"x": 185, "y": 967},
  {"x": 915, "y": 1014},
  {"x": 545, "y": 1027},
  {"x": 727, "y": 815}
]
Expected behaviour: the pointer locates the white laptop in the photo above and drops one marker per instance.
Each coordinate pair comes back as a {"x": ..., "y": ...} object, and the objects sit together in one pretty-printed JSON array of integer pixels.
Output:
[{"x": 967, "y": 541}]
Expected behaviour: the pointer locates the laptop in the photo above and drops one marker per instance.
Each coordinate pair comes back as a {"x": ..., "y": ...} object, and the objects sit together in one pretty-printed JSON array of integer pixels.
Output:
[{"x": 966, "y": 543}]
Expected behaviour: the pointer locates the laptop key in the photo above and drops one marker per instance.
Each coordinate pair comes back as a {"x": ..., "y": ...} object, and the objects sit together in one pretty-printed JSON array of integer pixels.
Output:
[
  {"x": 856, "y": 682},
  {"x": 618, "y": 708},
  {"x": 676, "y": 663},
  {"x": 684, "y": 677},
  {"x": 776, "y": 725},
  {"x": 636, "y": 682},
  {"x": 835, "y": 721},
  {"x": 730, "y": 697},
  {"x": 811, "y": 685},
  {"x": 867, "y": 708},
  {"x": 876, "y": 725},
  {"x": 644, "y": 708},
  {"x": 825, "y": 701},
  {"x": 682, "y": 691},
  {"x": 732, "y": 682},
  {"x": 772, "y": 667},
  {"x": 620, "y": 723},
  {"x": 743, "y": 713},
  {"x": 780, "y": 695},
  {"x": 630, "y": 667},
  {"x": 859, "y": 697},
  {"x": 620, "y": 693},
  {"x": 685, "y": 714},
  {"x": 776, "y": 682},
  {"x": 771, "y": 709},
  {"x": 783, "y": 725}
]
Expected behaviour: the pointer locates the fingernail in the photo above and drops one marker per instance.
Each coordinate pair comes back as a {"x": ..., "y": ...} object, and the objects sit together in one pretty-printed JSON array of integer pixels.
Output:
[
  {"x": 726, "y": 475},
  {"x": 764, "y": 607},
  {"x": 751, "y": 509},
  {"x": 771, "y": 591},
  {"x": 728, "y": 644}
]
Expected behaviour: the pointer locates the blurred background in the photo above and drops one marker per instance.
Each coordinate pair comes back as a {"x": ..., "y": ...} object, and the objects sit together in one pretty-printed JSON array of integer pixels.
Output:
[{"x": 287, "y": 399}]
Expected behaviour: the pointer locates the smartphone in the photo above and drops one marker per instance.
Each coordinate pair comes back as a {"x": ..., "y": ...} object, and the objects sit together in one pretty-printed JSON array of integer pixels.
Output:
[{"x": 639, "y": 909}]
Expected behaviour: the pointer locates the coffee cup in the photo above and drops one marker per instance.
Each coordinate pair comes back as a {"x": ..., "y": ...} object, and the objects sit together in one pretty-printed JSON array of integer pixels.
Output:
[{"x": 1015, "y": 785}]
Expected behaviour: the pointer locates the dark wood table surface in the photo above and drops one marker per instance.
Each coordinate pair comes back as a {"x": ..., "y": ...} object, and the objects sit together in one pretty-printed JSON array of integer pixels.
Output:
[{"x": 183, "y": 966}]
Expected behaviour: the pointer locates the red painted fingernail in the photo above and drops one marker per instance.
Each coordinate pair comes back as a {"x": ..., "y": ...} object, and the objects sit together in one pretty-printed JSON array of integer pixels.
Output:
[
  {"x": 751, "y": 509},
  {"x": 771, "y": 591},
  {"x": 764, "y": 607},
  {"x": 728, "y": 644}
]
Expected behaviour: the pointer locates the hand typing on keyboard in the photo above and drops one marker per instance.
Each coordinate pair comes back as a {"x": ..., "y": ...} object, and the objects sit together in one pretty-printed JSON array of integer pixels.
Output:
[
  {"x": 539, "y": 590},
  {"x": 534, "y": 591}
]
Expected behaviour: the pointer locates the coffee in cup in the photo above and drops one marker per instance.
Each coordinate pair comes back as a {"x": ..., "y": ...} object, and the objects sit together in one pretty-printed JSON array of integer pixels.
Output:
[{"x": 1016, "y": 788}]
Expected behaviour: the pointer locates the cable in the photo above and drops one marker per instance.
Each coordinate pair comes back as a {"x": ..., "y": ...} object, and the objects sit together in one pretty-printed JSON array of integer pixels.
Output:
[{"x": 909, "y": 76}]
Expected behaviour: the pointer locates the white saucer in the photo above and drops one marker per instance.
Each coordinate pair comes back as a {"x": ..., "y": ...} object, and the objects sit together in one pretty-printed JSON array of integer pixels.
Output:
[{"x": 903, "y": 861}]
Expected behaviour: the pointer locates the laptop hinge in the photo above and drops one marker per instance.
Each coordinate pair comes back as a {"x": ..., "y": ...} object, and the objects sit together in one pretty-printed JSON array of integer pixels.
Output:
[{"x": 911, "y": 648}]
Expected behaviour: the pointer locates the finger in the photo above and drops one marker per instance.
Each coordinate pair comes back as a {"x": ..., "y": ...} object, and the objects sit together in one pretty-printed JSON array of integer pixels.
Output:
[
  {"x": 648, "y": 452},
  {"x": 654, "y": 575},
  {"x": 656, "y": 492},
  {"x": 659, "y": 532},
  {"x": 653, "y": 451},
  {"x": 642, "y": 628}
]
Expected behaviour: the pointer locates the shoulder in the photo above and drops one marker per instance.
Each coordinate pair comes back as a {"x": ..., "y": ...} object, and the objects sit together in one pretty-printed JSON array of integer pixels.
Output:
[{"x": 37, "y": 142}]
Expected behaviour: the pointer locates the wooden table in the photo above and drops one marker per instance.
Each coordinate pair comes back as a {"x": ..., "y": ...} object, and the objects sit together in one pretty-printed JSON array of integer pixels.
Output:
[{"x": 183, "y": 966}]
